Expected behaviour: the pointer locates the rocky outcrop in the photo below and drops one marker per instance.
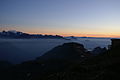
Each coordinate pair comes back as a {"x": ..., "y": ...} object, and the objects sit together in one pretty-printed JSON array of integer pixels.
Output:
[
  {"x": 67, "y": 51},
  {"x": 98, "y": 50},
  {"x": 5, "y": 64},
  {"x": 58, "y": 59},
  {"x": 115, "y": 43},
  {"x": 66, "y": 63}
]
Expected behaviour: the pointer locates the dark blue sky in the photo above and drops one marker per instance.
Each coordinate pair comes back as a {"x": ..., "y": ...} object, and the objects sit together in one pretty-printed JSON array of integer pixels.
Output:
[{"x": 64, "y": 17}]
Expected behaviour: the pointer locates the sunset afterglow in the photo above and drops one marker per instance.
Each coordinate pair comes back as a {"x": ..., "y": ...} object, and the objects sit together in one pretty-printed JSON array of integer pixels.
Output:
[{"x": 90, "y": 18}]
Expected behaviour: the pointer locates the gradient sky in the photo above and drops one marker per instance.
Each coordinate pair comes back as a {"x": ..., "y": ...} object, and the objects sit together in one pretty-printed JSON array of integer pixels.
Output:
[{"x": 63, "y": 17}]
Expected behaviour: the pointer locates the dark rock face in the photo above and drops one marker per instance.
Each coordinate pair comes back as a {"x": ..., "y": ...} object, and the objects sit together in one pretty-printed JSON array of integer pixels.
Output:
[
  {"x": 58, "y": 59},
  {"x": 115, "y": 42},
  {"x": 64, "y": 63},
  {"x": 98, "y": 50},
  {"x": 71, "y": 51},
  {"x": 5, "y": 64}
]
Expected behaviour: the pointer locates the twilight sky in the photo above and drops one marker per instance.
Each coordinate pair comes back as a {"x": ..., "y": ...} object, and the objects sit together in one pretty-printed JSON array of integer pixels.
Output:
[{"x": 99, "y": 18}]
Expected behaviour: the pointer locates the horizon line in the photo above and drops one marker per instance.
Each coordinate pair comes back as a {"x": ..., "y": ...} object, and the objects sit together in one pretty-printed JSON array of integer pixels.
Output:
[{"x": 68, "y": 35}]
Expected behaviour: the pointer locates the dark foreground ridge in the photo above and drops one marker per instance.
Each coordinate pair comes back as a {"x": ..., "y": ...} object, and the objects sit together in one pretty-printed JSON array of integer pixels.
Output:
[
  {"x": 68, "y": 51},
  {"x": 70, "y": 61},
  {"x": 20, "y": 35}
]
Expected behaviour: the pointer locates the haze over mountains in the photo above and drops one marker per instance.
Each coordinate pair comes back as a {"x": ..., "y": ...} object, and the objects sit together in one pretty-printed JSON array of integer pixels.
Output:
[{"x": 18, "y": 34}]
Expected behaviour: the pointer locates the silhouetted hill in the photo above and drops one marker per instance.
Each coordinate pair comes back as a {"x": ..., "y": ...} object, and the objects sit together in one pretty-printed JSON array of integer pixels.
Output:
[
  {"x": 104, "y": 66},
  {"x": 17, "y": 35},
  {"x": 5, "y": 64},
  {"x": 98, "y": 50},
  {"x": 67, "y": 51},
  {"x": 56, "y": 60},
  {"x": 66, "y": 62}
]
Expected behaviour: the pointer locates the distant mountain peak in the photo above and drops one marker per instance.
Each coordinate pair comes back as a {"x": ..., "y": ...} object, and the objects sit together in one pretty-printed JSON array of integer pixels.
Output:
[{"x": 17, "y": 34}]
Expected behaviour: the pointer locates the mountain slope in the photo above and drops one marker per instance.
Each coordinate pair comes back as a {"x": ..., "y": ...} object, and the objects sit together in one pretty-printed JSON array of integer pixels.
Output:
[{"x": 65, "y": 63}]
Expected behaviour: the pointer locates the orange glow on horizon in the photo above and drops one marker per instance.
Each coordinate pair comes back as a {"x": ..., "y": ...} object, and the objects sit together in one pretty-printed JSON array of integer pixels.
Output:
[
  {"x": 80, "y": 35},
  {"x": 64, "y": 33}
]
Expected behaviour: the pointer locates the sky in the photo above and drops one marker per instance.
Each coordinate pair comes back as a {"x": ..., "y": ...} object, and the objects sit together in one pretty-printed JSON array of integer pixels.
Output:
[{"x": 92, "y": 18}]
